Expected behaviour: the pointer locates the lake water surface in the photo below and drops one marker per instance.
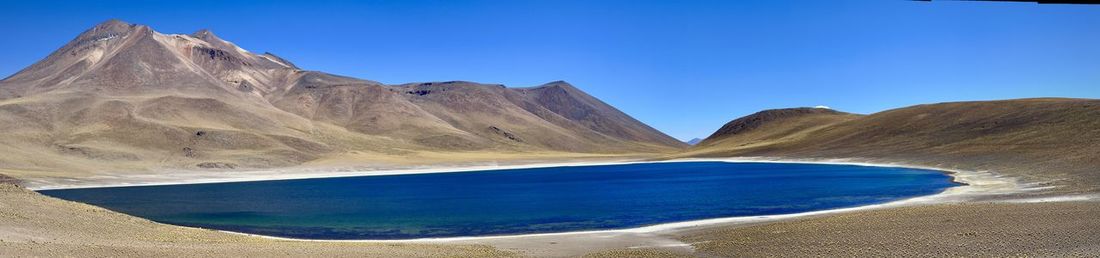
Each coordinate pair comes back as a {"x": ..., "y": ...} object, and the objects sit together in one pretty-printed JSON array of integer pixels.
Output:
[{"x": 513, "y": 201}]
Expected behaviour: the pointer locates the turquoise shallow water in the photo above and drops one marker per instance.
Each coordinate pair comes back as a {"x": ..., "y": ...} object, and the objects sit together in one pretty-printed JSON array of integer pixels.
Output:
[{"x": 513, "y": 201}]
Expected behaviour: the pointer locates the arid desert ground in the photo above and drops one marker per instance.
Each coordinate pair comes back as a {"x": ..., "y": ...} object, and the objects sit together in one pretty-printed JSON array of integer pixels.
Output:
[{"x": 123, "y": 104}]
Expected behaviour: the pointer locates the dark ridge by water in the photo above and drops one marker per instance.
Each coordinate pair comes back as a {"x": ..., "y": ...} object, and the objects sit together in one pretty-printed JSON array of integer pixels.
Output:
[{"x": 513, "y": 201}]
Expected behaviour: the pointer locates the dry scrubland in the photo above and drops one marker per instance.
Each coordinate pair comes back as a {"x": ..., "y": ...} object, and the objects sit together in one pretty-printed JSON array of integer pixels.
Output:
[
  {"x": 124, "y": 100},
  {"x": 1048, "y": 145},
  {"x": 992, "y": 227},
  {"x": 1043, "y": 142},
  {"x": 998, "y": 230}
]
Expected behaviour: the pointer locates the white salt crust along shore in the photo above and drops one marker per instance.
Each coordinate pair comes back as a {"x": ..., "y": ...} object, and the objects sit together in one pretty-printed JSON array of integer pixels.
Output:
[
  {"x": 180, "y": 177},
  {"x": 975, "y": 184},
  {"x": 183, "y": 177}
]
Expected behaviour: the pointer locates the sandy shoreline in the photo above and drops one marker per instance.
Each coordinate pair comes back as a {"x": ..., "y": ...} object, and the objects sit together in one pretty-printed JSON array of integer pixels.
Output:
[
  {"x": 991, "y": 210},
  {"x": 204, "y": 177},
  {"x": 975, "y": 184},
  {"x": 181, "y": 177}
]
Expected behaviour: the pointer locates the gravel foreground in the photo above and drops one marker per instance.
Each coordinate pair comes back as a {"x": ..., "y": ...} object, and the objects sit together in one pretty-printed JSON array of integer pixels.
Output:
[
  {"x": 983, "y": 229},
  {"x": 34, "y": 225}
]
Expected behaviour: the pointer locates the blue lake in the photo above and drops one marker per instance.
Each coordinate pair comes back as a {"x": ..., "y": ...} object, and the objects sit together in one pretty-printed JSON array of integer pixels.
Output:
[{"x": 513, "y": 201}]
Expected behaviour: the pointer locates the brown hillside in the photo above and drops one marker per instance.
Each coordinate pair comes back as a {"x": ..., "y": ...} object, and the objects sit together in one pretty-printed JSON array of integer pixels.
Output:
[
  {"x": 771, "y": 126},
  {"x": 1057, "y": 140},
  {"x": 124, "y": 97}
]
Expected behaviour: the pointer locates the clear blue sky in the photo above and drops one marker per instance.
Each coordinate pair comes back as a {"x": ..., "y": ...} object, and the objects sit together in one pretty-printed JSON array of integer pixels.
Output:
[{"x": 684, "y": 68}]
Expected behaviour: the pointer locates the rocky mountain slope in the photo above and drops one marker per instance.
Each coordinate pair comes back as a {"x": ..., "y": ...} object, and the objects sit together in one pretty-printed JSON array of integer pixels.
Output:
[
  {"x": 123, "y": 96},
  {"x": 1049, "y": 141}
]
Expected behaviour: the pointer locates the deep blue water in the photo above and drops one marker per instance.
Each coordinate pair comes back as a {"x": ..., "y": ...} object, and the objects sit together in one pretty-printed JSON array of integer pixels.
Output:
[{"x": 513, "y": 201}]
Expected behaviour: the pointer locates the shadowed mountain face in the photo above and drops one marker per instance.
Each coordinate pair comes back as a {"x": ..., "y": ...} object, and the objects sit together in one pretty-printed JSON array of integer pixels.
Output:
[
  {"x": 1049, "y": 140},
  {"x": 127, "y": 95}
]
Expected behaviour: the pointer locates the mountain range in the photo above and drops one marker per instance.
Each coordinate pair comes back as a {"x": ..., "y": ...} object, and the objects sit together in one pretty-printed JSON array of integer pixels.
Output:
[{"x": 122, "y": 96}]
